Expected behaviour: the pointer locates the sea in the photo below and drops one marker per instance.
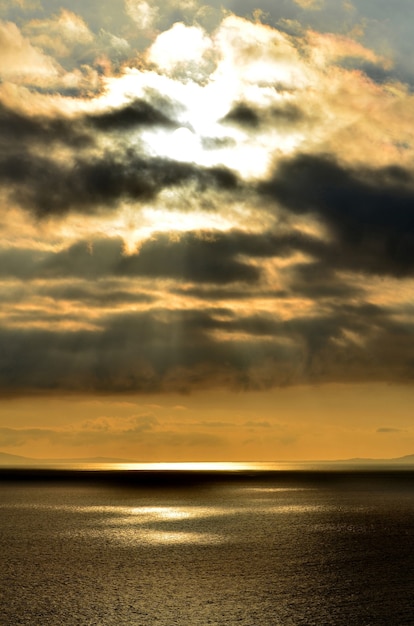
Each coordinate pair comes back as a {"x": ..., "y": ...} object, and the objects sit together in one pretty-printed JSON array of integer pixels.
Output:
[{"x": 197, "y": 546}]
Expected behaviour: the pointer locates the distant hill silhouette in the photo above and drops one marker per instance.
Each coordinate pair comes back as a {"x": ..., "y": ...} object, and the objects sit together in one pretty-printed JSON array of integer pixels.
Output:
[
  {"x": 13, "y": 460},
  {"x": 408, "y": 458}
]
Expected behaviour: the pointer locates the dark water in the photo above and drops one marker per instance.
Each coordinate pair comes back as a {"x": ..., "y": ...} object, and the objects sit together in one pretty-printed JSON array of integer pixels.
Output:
[{"x": 282, "y": 548}]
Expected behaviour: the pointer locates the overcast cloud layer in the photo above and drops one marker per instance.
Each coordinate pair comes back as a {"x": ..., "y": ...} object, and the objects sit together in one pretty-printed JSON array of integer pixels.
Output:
[{"x": 196, "y": 197}]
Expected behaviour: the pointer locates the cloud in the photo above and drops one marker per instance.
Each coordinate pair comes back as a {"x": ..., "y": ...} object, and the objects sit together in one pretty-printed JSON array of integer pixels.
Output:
[
  {"x": 143, "y": 432},
  {"x": 134, "y": 114},
  {"x": 143, "y": 14},
  {"x": 11, "y": 437},
  {"x": 314, "y": 5},
  {"x": 24, "y": 64},
  {"x": 219, "y": 258},
  {"x": 164, "y": 350},
  {"x": 295, "y": 192},
  {"x": 20, "y": 61},
  {"x": 181, "y": 51},
  {"x": 98, "y": 295},
  {"x": 244, "y": 115},
  {"x": 190, "y": 258},
  {"x": 143, "y": 352},
  {"x": 192, "y": 332},
  {"x": 251, "y": 117},
  {"x": 60, "y": 34},
  {"x": 368, "y": 211},
  {"x": 19, "y": 128},
  {"x": 317, "y": 280},
  {"x": 389, "y": 430},
  {"x": 89, "y": 185},
  {"x": 325, "y": 48},
  {"x": 258, "y": 54}
]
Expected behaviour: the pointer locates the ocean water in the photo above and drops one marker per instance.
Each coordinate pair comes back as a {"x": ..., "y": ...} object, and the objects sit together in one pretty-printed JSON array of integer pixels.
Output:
[{"x": 244, "y": 548}]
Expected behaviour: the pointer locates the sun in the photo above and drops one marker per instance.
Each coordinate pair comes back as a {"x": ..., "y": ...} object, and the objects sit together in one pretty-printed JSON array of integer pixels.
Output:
[
  {"x": 180, "y": 145},
  {"x": 185, "y": 145}
]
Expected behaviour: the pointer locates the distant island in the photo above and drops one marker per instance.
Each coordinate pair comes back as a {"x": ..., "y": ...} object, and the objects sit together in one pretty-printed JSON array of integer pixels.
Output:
[{"x": 14, "y": 460}]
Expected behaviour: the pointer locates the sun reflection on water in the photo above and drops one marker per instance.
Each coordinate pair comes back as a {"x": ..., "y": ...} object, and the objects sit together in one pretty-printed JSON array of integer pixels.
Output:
[{"x": 157, "y": 525}]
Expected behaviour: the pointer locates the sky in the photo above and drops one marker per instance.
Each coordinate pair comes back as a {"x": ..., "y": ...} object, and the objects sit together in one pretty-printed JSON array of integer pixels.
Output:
[{"x": 207, "y": 229}]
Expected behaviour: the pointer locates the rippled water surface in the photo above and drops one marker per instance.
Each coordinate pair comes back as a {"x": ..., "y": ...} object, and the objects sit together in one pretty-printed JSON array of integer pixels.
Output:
[{"x": 253, "y": 551}]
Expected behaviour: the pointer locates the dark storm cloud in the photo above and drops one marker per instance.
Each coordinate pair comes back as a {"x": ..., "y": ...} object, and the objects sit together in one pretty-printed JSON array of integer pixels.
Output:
[
  {"x": 218, "y": 258},
  {"x": 353, "y": 342},
  {"x": 181, "y": 350},
  {"x": 88, "y": 184},
  {"x": 244, "y": 115},
  {"x": 18, "y": 128},
  {"x": 251, "y": 117},
  {"x": 319, "y": 333},
  {"x": 225, "y": 293},
  {"x": 134, "y": 114},
  {"x": 201, "y": 258},
  {"x": 214, "y": 259},
  {"x": 19, "y": 262},
  {"x": 38, "y": 316},
  {"x": 369, "y": 212},
  {"x": 102, "y": 294},
  {"x": 150, "y": 351},
  {"x": 319, "y": 280},
  {"x": 190, "y": 258}
]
